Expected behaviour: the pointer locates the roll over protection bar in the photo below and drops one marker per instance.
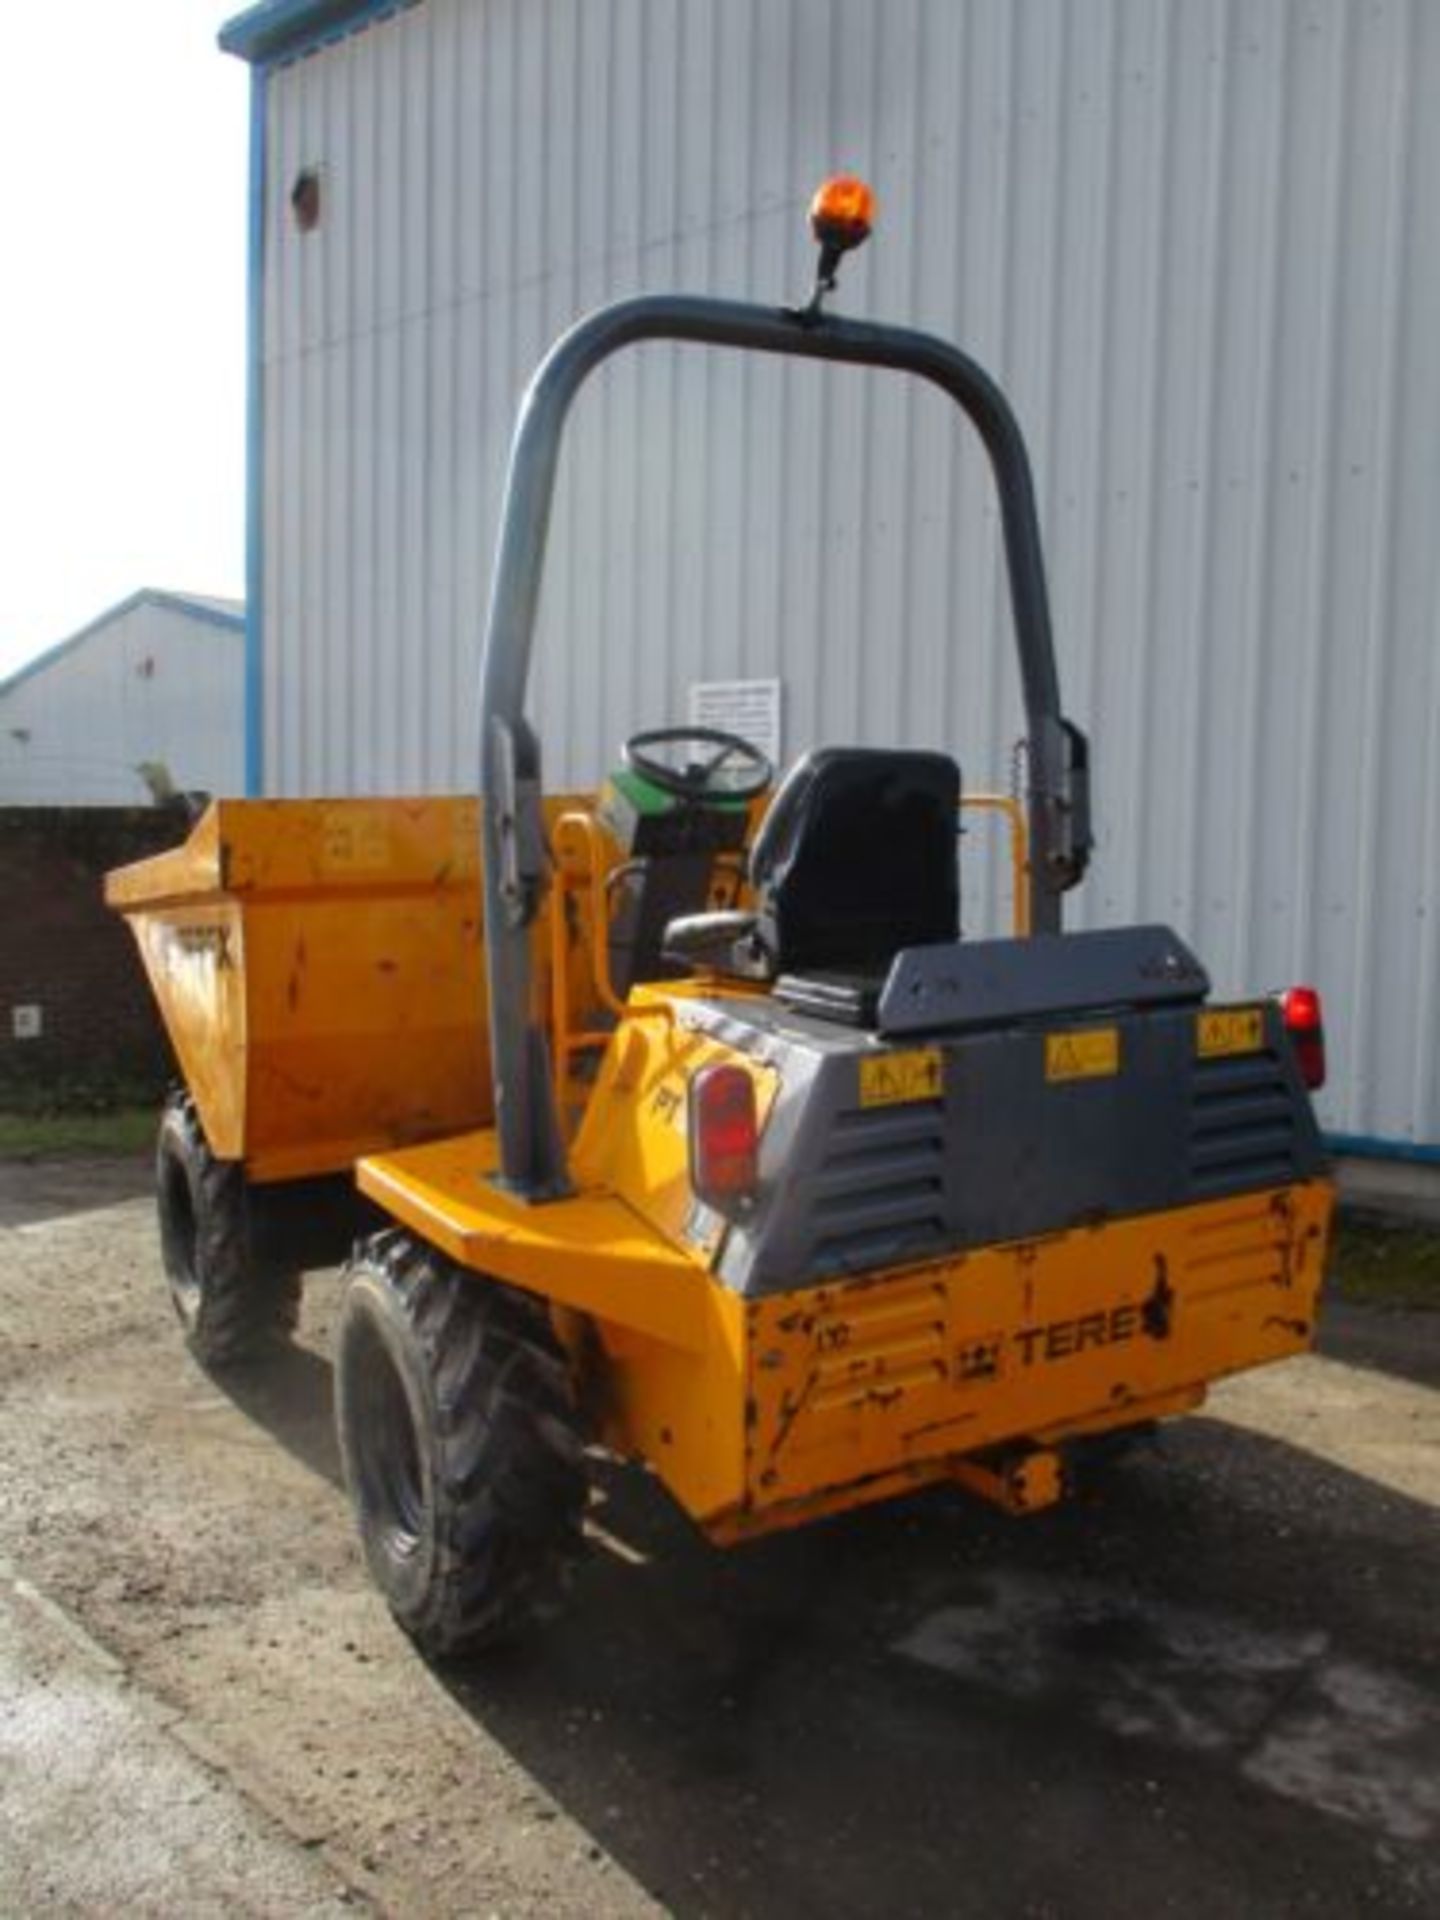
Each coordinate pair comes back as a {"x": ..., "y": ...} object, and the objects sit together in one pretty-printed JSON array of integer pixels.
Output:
[{"x": 532, "y": 1156}]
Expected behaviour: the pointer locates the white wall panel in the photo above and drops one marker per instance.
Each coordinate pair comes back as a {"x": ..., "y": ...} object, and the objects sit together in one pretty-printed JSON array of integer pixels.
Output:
[
  {"x": 151, "y": 681},
  {"x": 1194, "y": 238}
]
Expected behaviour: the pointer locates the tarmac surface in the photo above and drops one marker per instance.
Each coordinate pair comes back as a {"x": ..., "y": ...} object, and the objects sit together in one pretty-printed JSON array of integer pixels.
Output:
[{"x": 1210, "y": 1685}]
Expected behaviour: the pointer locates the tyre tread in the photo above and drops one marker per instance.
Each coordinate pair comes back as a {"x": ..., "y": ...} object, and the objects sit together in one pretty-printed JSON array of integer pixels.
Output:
[
  {"x": 508, "y": 1477},
  {"x": 244, "y": 1306}
]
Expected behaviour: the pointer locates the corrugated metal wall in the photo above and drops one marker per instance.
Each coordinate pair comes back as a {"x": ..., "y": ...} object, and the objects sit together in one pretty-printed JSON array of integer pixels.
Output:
[
  {"x": 1196, "y": 239},
  {"x": 149, "y": 682}
]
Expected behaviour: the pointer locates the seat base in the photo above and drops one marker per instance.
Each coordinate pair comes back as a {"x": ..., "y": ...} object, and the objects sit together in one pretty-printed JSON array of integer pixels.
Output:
[{"x": 851, "y": 999}]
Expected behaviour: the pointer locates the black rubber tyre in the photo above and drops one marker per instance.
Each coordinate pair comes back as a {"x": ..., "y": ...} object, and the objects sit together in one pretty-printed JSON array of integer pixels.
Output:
[
  {"x": 232, "y": 1305},
  {"x": 461, "y": 1445}
]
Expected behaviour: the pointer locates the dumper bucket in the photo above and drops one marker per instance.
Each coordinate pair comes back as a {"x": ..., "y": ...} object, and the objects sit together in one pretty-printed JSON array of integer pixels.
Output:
[{"x": 318, "y": 965}]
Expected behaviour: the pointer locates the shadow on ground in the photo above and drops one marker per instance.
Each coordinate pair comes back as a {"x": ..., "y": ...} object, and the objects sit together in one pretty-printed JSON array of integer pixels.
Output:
[
  {"x": 49, "y": 1187},
  {"x": 1154, "y": 1700},
  {"x": 1200, "y": 1688},
  {"x": 291, "y": 1394}
]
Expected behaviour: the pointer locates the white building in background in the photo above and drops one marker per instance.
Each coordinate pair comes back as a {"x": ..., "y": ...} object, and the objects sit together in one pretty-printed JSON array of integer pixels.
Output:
[
  {"x": 151, "y": 693},
  {"x": 1195, "y": 239}
]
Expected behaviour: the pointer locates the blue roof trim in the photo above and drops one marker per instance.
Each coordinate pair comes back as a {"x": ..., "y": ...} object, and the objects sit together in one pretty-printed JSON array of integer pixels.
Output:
[
  {"x": 1363, "y": 1146},
  {"x": 255, "y": 448},
  {"x": 284, "y": 29},
  {"x": 205, "y": 611}
]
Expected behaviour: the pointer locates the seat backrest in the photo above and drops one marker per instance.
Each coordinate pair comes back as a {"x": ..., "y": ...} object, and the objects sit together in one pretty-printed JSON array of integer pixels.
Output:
[{"x": 857, "y": 858}]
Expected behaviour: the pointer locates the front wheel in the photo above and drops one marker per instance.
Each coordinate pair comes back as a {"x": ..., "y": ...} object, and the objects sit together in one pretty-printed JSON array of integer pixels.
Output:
[
  {"x": 232, "y": 1303},
  {"x": 461, "y": 1445}
]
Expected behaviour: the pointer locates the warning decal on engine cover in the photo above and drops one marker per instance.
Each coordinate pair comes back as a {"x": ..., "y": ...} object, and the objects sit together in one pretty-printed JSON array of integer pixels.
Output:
[
  {"x": 1089, "y": 1053},
  {"x": 889, "y": 1079},
  {"x": 1226, "y": 1030}
]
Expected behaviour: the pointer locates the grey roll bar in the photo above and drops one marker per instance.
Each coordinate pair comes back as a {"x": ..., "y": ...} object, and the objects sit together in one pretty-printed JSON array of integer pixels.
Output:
[{"x": 532, "y": 1156}]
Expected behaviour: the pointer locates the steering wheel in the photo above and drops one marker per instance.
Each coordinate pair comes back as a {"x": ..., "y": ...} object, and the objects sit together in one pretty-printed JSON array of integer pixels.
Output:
[{"x": 704, "y": 778}]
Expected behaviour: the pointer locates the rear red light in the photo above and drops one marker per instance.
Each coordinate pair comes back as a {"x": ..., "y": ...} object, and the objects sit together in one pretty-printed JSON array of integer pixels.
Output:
[
  {"x": 1305, "y": 1023},
  {"x": 724, "y": 1137}
]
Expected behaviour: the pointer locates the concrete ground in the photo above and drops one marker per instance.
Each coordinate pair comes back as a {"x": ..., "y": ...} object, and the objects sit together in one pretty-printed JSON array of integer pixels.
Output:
[
  {"x": 109, "y": 1803},
  {"x": 1209, "y": 1688}
]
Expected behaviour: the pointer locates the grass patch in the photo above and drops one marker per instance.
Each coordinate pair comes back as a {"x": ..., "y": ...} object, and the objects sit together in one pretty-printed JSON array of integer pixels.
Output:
[
  {"x": 1378, "y": 1264},
  {"x": 23, "y": 1136}
]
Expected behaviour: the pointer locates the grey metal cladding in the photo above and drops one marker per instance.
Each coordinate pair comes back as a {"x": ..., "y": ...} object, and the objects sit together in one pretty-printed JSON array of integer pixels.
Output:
[
  {"x": 1195, "y": 238},
  {"x": 1004, "y": 1154},
  {"x": 982, "y": 983}
]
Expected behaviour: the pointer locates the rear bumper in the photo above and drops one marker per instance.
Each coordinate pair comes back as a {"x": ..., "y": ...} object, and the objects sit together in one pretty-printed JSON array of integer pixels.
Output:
[{"x": 859, "y": 1389}]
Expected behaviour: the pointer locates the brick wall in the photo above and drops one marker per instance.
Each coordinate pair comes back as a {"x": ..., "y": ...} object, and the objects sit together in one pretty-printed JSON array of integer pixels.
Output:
[{"x": 62, "y": 951}]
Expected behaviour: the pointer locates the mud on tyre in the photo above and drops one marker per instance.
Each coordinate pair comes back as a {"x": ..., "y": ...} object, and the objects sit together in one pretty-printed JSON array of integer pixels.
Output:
[
  {"x": 461, "y": 1445},
  {"x": 232, "y": 1303}
]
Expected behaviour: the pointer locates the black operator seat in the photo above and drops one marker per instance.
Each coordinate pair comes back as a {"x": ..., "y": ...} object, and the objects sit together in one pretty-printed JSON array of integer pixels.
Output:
[{"x": 855, "y": 859}]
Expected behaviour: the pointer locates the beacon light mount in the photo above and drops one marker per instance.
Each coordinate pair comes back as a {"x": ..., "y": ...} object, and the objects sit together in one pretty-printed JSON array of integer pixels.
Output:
[{"x": 841, "y": 216}]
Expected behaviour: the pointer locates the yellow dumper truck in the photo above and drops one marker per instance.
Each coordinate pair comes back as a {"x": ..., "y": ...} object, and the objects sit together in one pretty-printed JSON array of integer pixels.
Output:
[{"x": 678, "y": 1118}]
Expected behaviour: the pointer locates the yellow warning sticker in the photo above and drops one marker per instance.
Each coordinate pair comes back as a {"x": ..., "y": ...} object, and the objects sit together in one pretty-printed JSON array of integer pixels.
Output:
[
  {"x": 1089, "y": 1053},
  {"x": 890, "y": 1079},
  {"x": 1229, "y": 1030}
]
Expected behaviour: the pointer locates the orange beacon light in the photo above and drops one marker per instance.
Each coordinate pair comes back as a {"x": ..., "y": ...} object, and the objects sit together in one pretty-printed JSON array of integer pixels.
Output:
[{"x": 842, "y": 213}]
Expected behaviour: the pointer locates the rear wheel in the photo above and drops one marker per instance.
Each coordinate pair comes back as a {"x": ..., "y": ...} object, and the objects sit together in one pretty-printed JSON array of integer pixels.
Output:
[
  {"x": 461, "y": 1445},
  {"x": 232, "y": 1304}
]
